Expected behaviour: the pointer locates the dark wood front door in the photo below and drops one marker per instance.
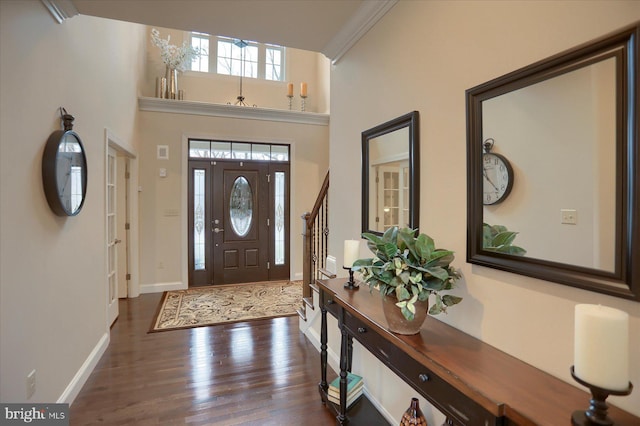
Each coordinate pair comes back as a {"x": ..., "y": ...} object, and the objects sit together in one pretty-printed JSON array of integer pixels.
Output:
[
  {"x": 240, "y": 222},
  {"x": 234, "y": 220}
]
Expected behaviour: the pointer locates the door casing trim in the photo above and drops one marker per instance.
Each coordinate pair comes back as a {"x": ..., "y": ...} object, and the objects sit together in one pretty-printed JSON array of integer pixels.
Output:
[{"x": 184, "y": 192}]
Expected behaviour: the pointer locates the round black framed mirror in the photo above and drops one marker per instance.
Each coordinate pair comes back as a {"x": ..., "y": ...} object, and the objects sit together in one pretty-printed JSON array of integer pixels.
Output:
[{"x": 64, "y": 170}]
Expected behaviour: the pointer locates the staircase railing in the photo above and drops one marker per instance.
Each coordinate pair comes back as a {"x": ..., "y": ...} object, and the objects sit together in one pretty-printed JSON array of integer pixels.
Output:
[{"x": 315, "y": 237}]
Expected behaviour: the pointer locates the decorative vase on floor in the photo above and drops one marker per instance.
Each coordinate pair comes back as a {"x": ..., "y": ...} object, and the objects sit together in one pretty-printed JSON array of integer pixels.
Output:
[
  {"x": 397, "y": 322},
  {"x": 413, "y": 416},
  {"x": 172, "y": 83}
]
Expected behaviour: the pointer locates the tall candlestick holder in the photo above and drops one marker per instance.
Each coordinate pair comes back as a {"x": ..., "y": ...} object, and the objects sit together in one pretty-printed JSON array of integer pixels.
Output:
[
  {"x": 351, "y": 284},
  {"x": 597, "y": 412},
  {"x": 290, "y": 99},
  {"x": 303, "y": 102}
]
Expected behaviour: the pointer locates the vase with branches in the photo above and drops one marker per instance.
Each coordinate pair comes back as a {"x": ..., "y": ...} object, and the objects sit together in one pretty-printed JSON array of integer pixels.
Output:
[{"x": 176, "y": 58}]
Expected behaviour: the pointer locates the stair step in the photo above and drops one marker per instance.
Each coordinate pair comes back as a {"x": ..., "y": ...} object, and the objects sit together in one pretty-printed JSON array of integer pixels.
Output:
[
  {"x": 308, "y": 301},
  {"x": 326, "y": 273},
  {"x": 315, "y": 287},
  {"x": 301, "y": 313}
]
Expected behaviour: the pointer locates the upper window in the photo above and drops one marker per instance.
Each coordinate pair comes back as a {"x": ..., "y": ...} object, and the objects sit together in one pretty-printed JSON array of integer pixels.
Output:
[
  {"x": 227, "y": 150},
  {"x": 230, "y": 56}
]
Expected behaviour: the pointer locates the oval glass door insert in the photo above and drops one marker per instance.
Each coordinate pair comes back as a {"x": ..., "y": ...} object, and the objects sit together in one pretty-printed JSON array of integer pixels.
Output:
[{"x": 241, "y": 206}]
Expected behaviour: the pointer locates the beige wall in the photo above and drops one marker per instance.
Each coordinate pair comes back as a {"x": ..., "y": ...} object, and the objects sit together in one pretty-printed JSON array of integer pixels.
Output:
[
  {"x": 53, "y": 292},
  {"x": 162, "y": 255},
  {"x": 163, "y": 250},
  {"x": 300, "y": 65},
  {"x": 423, "y": 56}
]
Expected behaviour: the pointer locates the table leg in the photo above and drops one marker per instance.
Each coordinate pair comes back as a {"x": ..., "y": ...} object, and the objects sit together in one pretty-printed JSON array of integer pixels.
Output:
[
  {"x": 323, "y": 349},
  {"x": 344, "y": 355}
]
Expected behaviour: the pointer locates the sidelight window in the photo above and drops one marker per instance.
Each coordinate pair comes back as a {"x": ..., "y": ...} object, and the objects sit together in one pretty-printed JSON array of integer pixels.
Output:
[
  {"x": 279, "y": 216},
  {"x": 198, "y": 219}
]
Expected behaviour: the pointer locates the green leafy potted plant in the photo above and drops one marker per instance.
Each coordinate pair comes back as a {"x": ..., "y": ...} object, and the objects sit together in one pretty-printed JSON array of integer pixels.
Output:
[
  {"x": 407, "y": 270},
  {"x": 499, "y": 239}
]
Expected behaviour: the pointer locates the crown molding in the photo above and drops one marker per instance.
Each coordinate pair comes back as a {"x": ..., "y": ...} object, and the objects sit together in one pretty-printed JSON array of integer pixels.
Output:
[
  {"x": 369, "y": 13},
  {"x": 60, "y": 9},
  {"x": 231, "y": 111}
]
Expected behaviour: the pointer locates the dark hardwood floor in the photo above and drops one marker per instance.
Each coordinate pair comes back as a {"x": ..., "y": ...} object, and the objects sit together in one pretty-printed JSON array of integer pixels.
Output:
[{"x": 255, "y": 373}]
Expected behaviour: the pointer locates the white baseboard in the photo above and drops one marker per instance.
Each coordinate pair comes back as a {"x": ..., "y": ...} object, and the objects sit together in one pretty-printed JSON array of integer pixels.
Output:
[
  {"x": 160, "y": 287},
  {"x": 78, "y": 381},
  {"x": 379, "y": 407},
  {"x": 333, "y": 359}
]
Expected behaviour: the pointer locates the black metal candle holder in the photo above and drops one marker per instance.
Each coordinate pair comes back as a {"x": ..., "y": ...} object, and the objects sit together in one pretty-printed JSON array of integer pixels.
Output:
[
  {"x": 351, "y": 284},
  {"x": 597, "y": 412}
]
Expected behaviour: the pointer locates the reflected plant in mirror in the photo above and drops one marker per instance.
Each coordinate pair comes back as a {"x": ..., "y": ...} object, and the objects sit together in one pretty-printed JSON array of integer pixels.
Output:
[
  {"x": 390, "y": 175},
  {"x": 499, "y": 239},
  {"x": 568, "y": 126}
]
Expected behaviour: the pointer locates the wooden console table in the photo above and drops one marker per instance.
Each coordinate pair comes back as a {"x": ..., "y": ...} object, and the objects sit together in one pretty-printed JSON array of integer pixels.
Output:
[{"x": 469, "y": 381}]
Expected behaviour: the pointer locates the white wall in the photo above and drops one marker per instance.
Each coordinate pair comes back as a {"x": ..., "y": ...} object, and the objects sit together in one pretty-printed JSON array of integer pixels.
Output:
[
  {"x": 53, "y": 292},
  {"x": 423, "y": 56}
]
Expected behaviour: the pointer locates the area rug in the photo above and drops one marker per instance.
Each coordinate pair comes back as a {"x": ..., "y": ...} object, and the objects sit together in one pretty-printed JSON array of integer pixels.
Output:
[{"x": 205, "y": 306}]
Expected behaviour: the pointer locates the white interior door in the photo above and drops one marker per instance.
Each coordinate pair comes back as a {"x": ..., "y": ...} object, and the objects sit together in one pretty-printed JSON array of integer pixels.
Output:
[
  {"x": 122, "y": 219},
  {"x": 112, "y": 237}
]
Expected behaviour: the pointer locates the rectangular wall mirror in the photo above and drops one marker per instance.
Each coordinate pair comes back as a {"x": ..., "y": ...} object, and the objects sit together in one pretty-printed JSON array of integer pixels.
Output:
[
  {"x": 553, "y": 158},
  {"x": 390, "y": 174}
]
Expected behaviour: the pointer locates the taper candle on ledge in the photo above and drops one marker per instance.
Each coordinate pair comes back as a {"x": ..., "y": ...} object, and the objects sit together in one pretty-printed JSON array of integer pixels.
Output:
[
  {"x": 351, "y": 254},
  {"x": 290, "y": 93},
  {"x": 601, "y": 359},
  {"x": 303, "y": 96}
]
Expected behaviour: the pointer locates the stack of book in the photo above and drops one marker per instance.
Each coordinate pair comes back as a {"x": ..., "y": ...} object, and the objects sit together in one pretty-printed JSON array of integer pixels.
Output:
[{"x": 354, "y": 389}]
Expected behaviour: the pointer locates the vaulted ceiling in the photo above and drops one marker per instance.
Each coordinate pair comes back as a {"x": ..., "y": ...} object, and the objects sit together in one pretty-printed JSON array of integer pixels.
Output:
[{"x": 327, "y": 26}]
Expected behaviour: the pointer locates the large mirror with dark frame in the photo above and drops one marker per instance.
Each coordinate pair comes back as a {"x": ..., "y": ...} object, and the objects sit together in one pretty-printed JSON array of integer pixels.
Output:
[
  {"x": 391, "y": 174},
  {"x": 553, "y": 168}
]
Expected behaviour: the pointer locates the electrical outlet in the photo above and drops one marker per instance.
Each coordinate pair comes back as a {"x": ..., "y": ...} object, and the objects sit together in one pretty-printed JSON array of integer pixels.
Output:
[
  {"x": 569, "y": 216},
  {"x": 31, "y": 384}
]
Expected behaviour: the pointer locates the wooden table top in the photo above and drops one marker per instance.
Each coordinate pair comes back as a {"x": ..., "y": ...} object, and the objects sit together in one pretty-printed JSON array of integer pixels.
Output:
[{"x": 501, "y": 383}]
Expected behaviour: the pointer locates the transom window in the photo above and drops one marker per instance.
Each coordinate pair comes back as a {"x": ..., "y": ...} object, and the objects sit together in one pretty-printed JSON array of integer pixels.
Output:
[
  {"x": 228, "y": 56},
  {"x": 226, "y": 150}
]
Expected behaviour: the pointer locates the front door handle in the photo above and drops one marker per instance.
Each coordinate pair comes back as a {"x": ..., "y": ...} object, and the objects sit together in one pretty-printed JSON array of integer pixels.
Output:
[{"x": 216, "y": 230}]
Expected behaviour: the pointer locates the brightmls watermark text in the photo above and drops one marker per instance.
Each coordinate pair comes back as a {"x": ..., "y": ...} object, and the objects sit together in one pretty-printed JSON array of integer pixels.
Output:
[{"x": 34, "y": 414}]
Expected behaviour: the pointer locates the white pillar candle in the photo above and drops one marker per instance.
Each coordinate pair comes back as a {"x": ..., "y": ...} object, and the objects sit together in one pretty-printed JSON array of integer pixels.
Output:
[
  {"x": 601, "y": 346},
  {"x": 351, "y": 252}
]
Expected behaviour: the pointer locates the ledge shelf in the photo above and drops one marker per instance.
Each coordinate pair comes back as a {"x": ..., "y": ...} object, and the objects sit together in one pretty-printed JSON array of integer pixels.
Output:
[{"x": 231, "y": 111}]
